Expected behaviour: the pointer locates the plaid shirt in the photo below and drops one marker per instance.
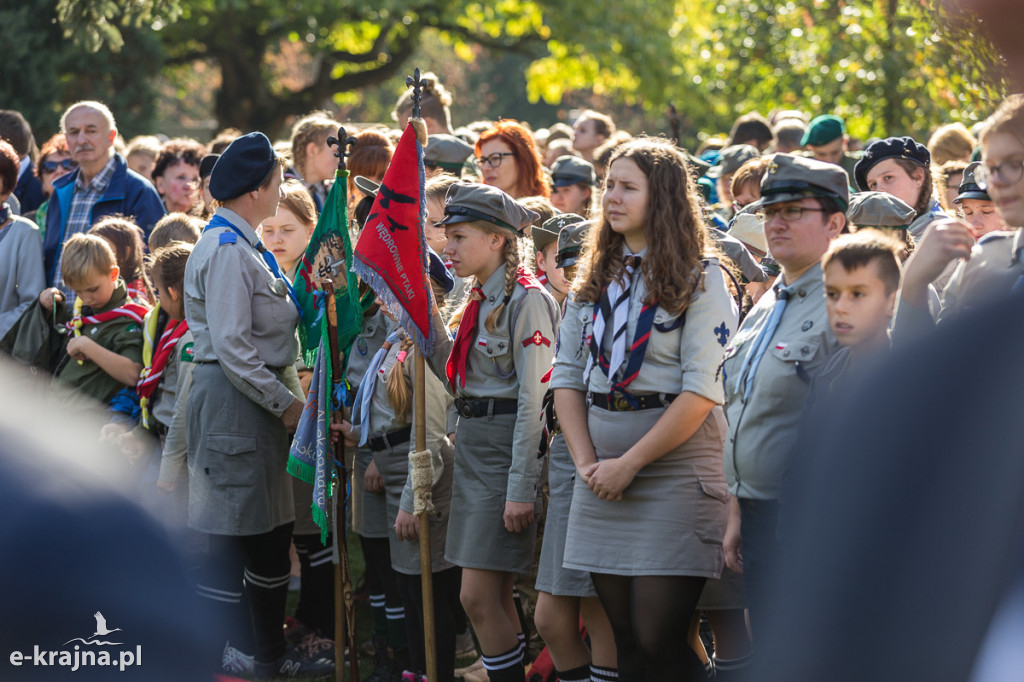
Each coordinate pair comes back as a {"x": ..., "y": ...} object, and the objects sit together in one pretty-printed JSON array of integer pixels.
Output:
[{"x": 80, "y": 214}]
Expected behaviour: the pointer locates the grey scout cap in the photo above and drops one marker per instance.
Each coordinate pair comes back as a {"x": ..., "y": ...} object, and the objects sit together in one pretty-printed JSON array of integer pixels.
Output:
[
  {"x": 878, "y": 209},
  {"x": 447, "y": 152},
  {"x": 790, "y": 178},
  {"x": 732, "y": 158},
  {"x": 548, "y": 232},
  {"x": 570, "y": 239},
  {"x": 569, "y": 170},
  {"x": 969, "y": 187},
  {"x": 470, "y": 201}
]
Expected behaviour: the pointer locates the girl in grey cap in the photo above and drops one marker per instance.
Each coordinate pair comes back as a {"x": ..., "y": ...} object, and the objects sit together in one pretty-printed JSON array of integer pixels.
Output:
[
  {"x": 638, "y": 390},
  {"x": 495, "y": 367}
]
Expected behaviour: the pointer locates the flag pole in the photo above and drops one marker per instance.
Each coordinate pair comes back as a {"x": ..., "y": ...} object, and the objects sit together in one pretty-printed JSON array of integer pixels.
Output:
[
  {"x": 419, "y": 405},
  {"x": 344, "y": 605}
]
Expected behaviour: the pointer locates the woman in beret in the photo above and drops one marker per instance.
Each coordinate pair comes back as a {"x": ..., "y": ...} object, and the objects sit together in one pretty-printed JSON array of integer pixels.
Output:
[{"x": 244, "y": 401}]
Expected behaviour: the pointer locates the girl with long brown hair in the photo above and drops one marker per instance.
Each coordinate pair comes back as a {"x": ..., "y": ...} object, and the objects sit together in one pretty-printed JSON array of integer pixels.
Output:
[{"x": 638, "y": 393}]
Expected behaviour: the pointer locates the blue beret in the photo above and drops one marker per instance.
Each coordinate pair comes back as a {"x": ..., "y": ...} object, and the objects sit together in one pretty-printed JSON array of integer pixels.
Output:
[
  {"x": 242, "y": 167},
  {"x": 889, "y": 148},
  {"x": 439, "y": 271}
]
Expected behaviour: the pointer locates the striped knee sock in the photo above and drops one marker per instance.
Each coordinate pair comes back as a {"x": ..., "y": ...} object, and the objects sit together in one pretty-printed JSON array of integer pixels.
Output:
[
  {"x": 601, "y": 674},
  {"x": 505, "y": 667},
  {"x": 396, "y": 627},
  {"x": 580, "y": 674},
  {"x": 378, "y": 608},
  {"x": 731, "y": 668}
]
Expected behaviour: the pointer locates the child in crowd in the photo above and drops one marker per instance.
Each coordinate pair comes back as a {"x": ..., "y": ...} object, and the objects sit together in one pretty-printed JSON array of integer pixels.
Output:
[
  {"x": 383, "y": 410},
  {"x": 104, "y": 355},
  {"x": 125, "y": 238},
  {"x": 862, "y": 278},
  {"x": 175, "y": 227}
]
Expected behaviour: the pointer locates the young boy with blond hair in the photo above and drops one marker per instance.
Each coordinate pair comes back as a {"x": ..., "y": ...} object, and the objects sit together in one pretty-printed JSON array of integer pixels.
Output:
[{"x": 103, "y": 354}]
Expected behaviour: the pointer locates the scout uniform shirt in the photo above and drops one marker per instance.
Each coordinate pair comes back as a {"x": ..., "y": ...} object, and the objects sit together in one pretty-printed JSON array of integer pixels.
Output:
[
  {"x": 175, "y": 385},
  {"x": 383, "y": 418},
  {"x": 226, "y": 280},
  {"x": 993, "y": 269},
  {"x": 763, "y": 426},
  {"x": 122, "y": 335},
  {"x": 509, "y": 363},
  {"x": 684, "y": 352}
]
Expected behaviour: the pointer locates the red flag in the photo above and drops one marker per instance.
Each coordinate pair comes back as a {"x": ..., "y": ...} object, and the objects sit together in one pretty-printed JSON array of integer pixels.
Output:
[{"x": 391, "y": 254}]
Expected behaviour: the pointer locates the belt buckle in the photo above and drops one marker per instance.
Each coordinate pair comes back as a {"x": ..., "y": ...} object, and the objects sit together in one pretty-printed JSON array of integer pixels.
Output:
[
  {"x": 620, "y": 403},
  {"x": 466, "y": 410}
]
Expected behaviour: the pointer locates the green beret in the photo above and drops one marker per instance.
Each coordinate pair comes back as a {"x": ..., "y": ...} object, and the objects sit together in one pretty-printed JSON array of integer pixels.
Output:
[
  {"x": 570, "y": 239},
  {"x": 823, "y": 130}
]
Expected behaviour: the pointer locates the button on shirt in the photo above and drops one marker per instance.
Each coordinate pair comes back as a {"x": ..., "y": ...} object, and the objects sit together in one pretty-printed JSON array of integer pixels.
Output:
[
  {"x": 237, "y": 316},
  {"x": 763, "y": 427},
  {"x": 80, "y": 214}
]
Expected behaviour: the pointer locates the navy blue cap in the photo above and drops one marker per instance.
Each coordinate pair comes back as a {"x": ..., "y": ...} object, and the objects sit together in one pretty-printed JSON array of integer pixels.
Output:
[
  {"x": 242, "y": 167},
  {"x": 439, "y": 272},
  {"x": 207, "y": 164},
  {"x": 889, "y": 148}
]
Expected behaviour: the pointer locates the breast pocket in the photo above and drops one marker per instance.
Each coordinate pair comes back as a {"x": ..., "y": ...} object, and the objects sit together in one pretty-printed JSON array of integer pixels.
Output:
[
  {"x": 665, "y": 337},
  {"x": 795, "y": 362},
  {"x": 272, "y": 301},
  {"x": 494, "y": 351}
]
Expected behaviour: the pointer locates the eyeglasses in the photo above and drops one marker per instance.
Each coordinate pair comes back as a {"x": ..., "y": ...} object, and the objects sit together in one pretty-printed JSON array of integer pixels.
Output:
[
  {"x": 493, "y": 160},
  {"x": 789, "y": 214},
  {"x": 1009, "y": 172},
  {"x": 51, "y": 166}
]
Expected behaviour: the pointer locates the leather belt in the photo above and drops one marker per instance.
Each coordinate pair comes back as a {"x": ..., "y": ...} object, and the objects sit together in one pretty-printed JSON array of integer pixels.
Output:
[
  {"x": 485, "y": 407},
  {"x": 619, "y": 401},
  {"x": 390, "y": 440}
]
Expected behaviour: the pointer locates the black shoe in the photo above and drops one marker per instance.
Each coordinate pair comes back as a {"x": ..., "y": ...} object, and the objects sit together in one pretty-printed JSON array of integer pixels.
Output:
[{"x": 292, "y": 664}]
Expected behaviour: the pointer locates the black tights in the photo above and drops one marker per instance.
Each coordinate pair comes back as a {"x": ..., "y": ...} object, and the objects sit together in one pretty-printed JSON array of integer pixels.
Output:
[
  {"x": 650, "y": 619},
  {"x": 446, "y": 584}
]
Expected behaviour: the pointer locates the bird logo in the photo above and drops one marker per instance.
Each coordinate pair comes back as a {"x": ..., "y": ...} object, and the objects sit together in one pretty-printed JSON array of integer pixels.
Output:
[{"x": 101, "y": 631}]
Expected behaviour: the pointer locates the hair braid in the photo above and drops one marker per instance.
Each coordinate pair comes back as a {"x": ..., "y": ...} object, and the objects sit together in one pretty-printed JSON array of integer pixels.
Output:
[
  {"x": 397, "y": 386},
  {"x": 511, "y": 266}
]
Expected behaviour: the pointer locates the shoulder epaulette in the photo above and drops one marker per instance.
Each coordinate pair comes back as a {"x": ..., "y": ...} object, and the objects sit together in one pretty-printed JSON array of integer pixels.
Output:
[{"x": 228, "y": 237}]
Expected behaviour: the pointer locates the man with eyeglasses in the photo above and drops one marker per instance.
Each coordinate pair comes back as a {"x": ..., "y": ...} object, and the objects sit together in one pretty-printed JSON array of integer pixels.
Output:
[
  {"x": 780, "y": 345},
  {"x": 102, "y": 185}
]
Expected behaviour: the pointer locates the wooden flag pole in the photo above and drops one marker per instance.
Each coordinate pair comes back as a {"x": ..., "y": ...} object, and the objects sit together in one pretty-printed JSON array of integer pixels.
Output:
[
  {"x": 424, "y": 484},
  {"x": 344, "y": 620},
  {"x": 426, "y": 574}
]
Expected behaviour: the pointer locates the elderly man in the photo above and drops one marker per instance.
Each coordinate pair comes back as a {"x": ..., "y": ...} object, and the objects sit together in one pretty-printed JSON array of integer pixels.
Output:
[{"x": 102, "y": 185}]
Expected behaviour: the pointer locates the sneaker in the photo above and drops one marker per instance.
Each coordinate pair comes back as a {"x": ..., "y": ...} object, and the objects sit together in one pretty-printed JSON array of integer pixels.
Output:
[
  {"x": 410, "y": 676},
  {"x": 464, "y": 644},
  {"x": 308, "y": 641},
  {"x": 293, "y": 665},
  {"x": 234, "y": 662}
]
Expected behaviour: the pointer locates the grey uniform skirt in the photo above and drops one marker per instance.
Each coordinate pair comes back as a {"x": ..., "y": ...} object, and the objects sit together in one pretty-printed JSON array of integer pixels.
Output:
[
  {"x": 237, "y": 453},
  {"x": 393, "y": 464},
  {"x": 369, "y": 510},
  {"x": 552, "y": 577},
  {"x": 671, "y": 518},
  {"x": 476, "y": 530}
]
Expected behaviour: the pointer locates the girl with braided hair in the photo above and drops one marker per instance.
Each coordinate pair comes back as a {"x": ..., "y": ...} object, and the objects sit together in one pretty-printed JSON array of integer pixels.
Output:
[{"x": 496, "y": 368}]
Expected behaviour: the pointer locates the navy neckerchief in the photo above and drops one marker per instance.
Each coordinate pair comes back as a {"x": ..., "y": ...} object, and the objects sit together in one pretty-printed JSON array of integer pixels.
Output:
[
  {"x": 637, "y": 350},
  {"x": 220, "y": 221},
  {"x": 5, "y": 213}
]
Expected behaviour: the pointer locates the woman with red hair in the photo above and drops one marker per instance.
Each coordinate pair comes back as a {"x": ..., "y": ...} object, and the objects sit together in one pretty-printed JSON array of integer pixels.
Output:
[{"x": 508, "y": 160}]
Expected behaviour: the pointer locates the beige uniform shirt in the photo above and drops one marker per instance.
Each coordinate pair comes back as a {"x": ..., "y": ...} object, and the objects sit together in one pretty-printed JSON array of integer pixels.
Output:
[
  {"x": 238, "y": 314},
  {"x": 992, "y": 270},
  {"x": 679, "y": 357},
  {"x": 509, "y": 363},
  {"x": 763, "y": 426}
]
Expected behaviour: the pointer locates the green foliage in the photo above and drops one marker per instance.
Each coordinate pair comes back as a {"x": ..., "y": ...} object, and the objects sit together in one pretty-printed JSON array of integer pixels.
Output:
[
  {"x": 887, "y": 67},
  {"x": 98, "y": 24}
]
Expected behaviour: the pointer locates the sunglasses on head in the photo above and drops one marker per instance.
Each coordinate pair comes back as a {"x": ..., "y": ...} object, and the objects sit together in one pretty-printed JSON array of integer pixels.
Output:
[{"x": 51, "y": 166}]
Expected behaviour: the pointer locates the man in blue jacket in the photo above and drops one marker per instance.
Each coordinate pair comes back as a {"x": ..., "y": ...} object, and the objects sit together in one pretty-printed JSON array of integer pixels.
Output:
[{"x": 103, "y": 185}]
